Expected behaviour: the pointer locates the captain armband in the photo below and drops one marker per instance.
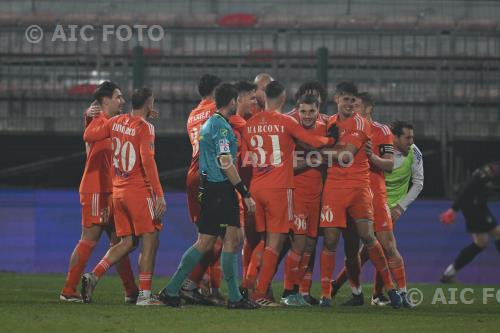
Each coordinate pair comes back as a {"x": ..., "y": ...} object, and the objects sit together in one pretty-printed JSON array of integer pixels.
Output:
[{"x": 386, "y": 149}]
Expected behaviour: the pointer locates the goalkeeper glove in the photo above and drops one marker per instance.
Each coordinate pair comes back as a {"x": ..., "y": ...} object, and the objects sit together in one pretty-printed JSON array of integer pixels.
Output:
[{"x": 448, "y": 217}]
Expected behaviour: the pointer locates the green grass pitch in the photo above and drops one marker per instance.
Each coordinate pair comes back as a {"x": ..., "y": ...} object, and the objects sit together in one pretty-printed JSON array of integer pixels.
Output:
[{"x": 30, "y": 303}]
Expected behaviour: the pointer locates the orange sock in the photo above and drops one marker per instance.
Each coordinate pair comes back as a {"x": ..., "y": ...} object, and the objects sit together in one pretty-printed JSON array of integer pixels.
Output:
[
  {"x": 246, "y": 255},
  {"x": 79, "y": 260},
  {"x": 215, "y": 271},
  {"x": 145, "y": 280},
  {"x": 377, "y": 257},
  {"x": 215, "y": 274},
  {"x": 124, "y": 269},
  {"x": 292, "y": 263},
  {"x": 327, "y": 266},
  {"x": 305, "y": 284},
  {"x": 397, "y": 267},
  {"x": 102, "y": 267},
  {"x": 202, "y": 267},
  {"x": 254, "y": 266},
  {"x": 304, "y": 264},
  {"x": 267, "y": 271}
]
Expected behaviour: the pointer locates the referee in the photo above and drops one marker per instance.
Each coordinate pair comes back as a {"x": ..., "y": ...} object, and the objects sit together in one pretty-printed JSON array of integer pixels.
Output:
[
  {"x": 472, "y": 200},
  {"x": 219, "y": 203}
]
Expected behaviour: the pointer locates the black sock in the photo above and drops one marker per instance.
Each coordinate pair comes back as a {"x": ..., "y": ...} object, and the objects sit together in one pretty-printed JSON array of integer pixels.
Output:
[
  {"x": 287, "y": 293},
  {"x": 497, "y": 244},
  {"x": 467, "y": 255}
]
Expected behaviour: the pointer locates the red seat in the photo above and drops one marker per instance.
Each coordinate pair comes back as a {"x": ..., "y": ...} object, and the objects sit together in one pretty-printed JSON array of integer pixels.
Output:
[
  {"x": 85, "y": 89},
  {"x": 261, "y": 55},
  {"x": 478, "y": 24},
  {"x": 237, "y": 20}
]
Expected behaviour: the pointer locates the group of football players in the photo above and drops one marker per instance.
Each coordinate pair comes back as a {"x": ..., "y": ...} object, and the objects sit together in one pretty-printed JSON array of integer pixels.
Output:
[{"x": 294, "y": 174}]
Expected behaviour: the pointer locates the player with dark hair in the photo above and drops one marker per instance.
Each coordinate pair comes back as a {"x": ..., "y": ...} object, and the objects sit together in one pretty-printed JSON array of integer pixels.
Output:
[
  {"x": 314, "y": 88},
  {"x": 210, "y": 263},
  {"x": 408, "y": 165},
  {"x": 95, "y": 197},
  {"x": 138, "y": 202},
  {"x": 347, "y": 193},
  {"x": 219, "y": 204},
  {"x": 308, "y": 183},
  {"x": 268, "y": 145},
  {"x": 245, "y": 103},
  {"x": 380, "y": 152},
  {"x": 472, "y": 200}
]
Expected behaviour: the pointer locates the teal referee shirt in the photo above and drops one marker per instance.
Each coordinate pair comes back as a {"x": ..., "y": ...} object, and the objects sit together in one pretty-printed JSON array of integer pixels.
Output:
[{"x": 216, "y": 138}]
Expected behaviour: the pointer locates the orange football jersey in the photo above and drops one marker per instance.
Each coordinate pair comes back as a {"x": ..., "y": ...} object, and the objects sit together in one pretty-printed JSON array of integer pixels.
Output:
[
  {"x": 357, "y": 131},
  {"x": 309, "y": 180},
  {"x": 98, "y": 174},
  {"x": 382, "y": 142},
  {"x": 205, "y": 109},
  {"x": 238, "y": 123},
  {"x": 133, "y": 153},
  {"x": 268, "y": 145}
]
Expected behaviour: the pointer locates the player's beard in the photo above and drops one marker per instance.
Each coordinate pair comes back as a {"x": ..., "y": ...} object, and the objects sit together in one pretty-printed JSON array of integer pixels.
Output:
[{"x": 232, "y": 111}]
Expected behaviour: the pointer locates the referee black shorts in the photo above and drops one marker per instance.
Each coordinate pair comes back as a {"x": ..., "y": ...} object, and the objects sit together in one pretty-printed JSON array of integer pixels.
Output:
[
  {"x": 219, "y": 209},
  {"x": 478, "y": 219}
]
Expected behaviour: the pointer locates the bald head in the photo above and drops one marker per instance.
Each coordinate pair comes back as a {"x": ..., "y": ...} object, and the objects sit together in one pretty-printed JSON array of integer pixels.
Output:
[{"x": 261, "y": 81}]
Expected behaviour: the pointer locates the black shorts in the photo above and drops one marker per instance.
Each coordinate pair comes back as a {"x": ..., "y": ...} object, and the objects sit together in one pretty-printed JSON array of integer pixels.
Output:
[
  {"x": 219, "y": 209},
  {"x": 478, "y": 219}
]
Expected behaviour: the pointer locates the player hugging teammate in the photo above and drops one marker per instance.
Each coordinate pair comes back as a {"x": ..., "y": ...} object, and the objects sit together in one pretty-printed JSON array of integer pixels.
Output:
[{"x": 276, "y": 181}]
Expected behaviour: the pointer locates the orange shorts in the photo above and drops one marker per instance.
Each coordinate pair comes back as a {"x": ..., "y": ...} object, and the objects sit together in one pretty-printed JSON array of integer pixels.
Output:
[
  {"x": 381, "y": 213},
  {"x": 192, "y": 188},
  {"x": 337, "y": 203},
  {"x": 134, "y": 215},
  {"x": 92, "y": 206},
  {"x": 306, "y": 211},
  {"x": 274, "y": 212}
]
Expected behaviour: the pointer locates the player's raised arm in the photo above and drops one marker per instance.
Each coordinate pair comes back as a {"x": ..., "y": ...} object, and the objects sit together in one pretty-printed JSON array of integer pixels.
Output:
[
  {"x": 352, "y": 143},
  {"x": 299, "y": 133},
  {"x": 97, "y": 131}
]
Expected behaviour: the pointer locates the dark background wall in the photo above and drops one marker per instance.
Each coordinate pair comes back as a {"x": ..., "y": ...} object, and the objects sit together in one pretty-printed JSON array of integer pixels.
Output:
[{"x": 57, "y": 161}]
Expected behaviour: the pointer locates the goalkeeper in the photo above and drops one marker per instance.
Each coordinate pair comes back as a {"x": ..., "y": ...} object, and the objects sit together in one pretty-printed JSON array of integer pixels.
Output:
[{"x": 472, "y": 201}]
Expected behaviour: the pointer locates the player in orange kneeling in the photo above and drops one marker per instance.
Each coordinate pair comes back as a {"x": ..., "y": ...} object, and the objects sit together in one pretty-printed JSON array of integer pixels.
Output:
[
  {"x": 268, "y": 145},
  {"x": 347, "y": 193},
  {"x": 210, "y": 263},
  {"x": 95, "y": 197},
  {"x": 138, "y": 200}
]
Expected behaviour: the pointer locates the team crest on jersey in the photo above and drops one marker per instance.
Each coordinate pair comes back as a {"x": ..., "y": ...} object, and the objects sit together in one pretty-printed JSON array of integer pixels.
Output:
[{"x": 223, "y": 132}]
